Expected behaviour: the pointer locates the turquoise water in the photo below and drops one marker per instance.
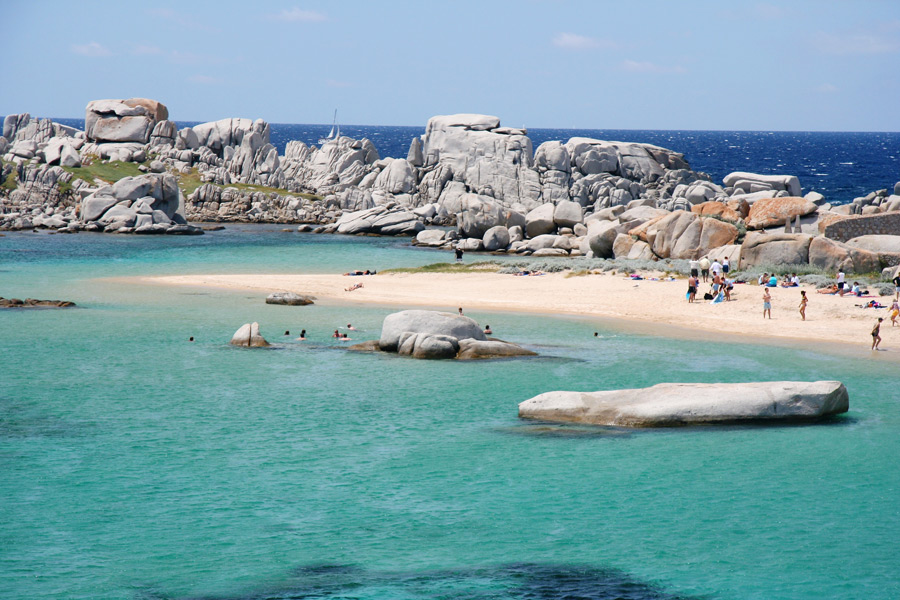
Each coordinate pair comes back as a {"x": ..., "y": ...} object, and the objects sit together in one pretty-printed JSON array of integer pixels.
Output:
[{"x": 134, "y": 464}]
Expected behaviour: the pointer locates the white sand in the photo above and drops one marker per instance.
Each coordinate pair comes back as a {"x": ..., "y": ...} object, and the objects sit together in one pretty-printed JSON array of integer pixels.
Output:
[{"x": 829, "y": 318}]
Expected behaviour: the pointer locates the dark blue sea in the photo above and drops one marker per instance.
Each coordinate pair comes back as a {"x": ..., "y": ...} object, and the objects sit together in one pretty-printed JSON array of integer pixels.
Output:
[{"x": 839, "y": 165}]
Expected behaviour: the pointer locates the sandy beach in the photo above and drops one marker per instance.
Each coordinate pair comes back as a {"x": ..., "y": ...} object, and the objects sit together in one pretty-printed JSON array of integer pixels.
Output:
[{"x": 830, "y": 319}]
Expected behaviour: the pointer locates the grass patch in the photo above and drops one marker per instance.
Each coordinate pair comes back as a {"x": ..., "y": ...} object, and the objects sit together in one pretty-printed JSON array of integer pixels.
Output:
[
  {"x": 478, "y": 267},
  {"x": 109, "y": 172},
  {"x": 189, "y": 182}
]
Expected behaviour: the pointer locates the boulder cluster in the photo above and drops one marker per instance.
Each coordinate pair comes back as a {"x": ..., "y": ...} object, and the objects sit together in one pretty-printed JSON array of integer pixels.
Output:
[
  {"x": 581, "y": 197},
  {"x": 436, "y": 335}
]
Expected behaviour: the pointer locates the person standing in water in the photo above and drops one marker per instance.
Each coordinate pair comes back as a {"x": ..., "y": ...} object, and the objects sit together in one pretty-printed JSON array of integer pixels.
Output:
[
  {"x": 803, "y": 302},
  {"x": 876, "y": 334}
]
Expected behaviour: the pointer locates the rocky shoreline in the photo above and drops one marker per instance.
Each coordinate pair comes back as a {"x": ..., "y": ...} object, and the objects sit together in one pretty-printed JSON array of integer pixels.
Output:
[{"x": 581, "y": 197}]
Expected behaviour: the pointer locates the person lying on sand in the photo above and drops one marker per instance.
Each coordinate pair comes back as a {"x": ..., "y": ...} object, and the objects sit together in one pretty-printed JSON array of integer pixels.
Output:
[
  {"x": 829, "y": 290},
  {"x": 526, "y": 273},
  {"x": 355, "y": 286}
]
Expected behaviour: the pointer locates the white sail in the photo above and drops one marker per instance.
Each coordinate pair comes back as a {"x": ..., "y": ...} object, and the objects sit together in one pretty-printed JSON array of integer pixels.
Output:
[{"x": 335, "y": 132}]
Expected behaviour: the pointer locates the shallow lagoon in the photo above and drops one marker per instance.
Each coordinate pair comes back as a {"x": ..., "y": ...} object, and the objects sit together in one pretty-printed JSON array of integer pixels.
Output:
[{"x": 134, "y": 464}]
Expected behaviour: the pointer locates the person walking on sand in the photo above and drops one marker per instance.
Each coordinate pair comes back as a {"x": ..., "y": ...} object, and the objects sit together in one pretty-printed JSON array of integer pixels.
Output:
[
  {"x": 876, "y": 334},
  {"x": 803, "y": 302},
  {"x": 704, "y": 268},
  {"x": 840, "y": 282},
  {"x": 767, "y": 303},
  {"x": 896, "y": 282},
  {"x": 895, "y": 312}
]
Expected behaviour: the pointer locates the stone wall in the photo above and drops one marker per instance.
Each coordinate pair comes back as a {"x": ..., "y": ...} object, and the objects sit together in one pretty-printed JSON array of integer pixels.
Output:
[{"x": 851, "y": 227}]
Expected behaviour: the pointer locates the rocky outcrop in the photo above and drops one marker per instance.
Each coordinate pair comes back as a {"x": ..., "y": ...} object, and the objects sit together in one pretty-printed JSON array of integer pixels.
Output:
[
  {"x": 129, "y": 120},
  {"x": 248, "y": 336},
  {"x": 146, "y": 204},
  {"x": 437, "y": 335},
  {"x": 749, "y": 183},
  {"x": 773, "y": 212},
  {"x": 775, "y": 249},
  {"x": 382, "y": 220},
  {"x": 675, "y": 404},
  {"x": 289, "y": 299},
  {"x": 33, "y": 303}
]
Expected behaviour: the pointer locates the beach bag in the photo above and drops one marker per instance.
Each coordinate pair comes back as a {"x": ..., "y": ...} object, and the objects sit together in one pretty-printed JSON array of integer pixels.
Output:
[{"x": 707, "y": 296}]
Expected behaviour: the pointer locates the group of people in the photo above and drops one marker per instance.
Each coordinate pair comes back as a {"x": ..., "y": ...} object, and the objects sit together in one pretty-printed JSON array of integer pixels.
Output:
[{"x": 721, "y": 284}]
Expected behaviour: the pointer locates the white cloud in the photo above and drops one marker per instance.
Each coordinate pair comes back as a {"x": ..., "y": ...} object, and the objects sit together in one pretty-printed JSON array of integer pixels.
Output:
[
  {"x": 845, "y": 44},
  {"x": 297, "y": 15},
  {"x": 573, "y": 41},
  {"x": 204, "y": 80},
  {"x": 92, "y": 49},
  {"x": 826, "y": 88},
  {"x": 635, "y": 66}
]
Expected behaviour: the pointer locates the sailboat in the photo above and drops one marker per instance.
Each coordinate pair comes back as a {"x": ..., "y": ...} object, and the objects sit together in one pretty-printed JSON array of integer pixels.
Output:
[{"x": 335, "y": 132}]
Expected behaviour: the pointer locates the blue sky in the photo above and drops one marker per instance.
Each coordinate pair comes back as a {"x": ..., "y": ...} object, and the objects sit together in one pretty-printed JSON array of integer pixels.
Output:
[{"x": 801, "y": 65}]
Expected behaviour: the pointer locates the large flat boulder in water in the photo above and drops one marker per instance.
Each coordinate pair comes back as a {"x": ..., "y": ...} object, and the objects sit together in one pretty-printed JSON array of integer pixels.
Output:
[
  {"x": 674, "y": 404},
  {"x": 428, "y": 322}
]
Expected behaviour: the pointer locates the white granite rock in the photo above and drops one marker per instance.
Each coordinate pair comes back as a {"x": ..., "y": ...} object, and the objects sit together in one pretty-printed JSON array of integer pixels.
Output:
[{"x": 674, "y": 404}]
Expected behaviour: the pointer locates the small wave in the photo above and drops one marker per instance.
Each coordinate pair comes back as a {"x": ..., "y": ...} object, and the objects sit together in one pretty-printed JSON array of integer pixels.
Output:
[{"x": 847, "y": 163}]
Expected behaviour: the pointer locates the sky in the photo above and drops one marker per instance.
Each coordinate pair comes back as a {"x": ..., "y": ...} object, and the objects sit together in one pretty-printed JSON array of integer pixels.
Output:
[{"x": 804, "y": 65}]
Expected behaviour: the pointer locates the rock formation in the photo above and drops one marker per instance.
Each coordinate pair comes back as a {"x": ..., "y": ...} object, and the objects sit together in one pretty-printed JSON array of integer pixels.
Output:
[
  {"x": 576, "y": 197},
  {"x": 248, "y": 336},
  {"x": 33, "y": 303},
  {"x": 437, "y": 335},
  {"x": 674, "y": 404},
  {"x": 289, "y": 299}
]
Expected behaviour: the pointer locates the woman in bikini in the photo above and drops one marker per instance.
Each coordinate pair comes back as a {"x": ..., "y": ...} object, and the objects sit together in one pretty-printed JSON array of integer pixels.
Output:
[{"x": 803, "y": 302}]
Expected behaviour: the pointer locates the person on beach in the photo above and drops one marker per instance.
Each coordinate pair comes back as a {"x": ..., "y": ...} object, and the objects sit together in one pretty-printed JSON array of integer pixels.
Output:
[
  {"x": 729, "y": 287},
  {"x": 840, "y": 283},
  {"x": 895, "y": 312},
  {"x": 828, "y": 290},
  {"x": 355, "y": 286},
  {"x": 692, "y": 288},
  {"x": 773, "y": 281},
  {"x": 695, "y": 268},
  {"x": 767, "y": 303},
  {"x": 726, "y": 266},
  {"x": 803, "y": 302},
  {"x": 763, "y": 279},
  {"x": 896, "y": 282},
  {"x": 716, "y": 268},
  {"x": 876, "y": 334},
  {"x": 704, "y": 268}
]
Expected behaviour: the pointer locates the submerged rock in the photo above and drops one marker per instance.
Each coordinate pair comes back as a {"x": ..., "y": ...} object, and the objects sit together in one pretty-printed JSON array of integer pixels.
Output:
[
  {"x": 674, "y": 404},
  {"x": 289, "y": 298},
  {"x": 33, "y": 303}
]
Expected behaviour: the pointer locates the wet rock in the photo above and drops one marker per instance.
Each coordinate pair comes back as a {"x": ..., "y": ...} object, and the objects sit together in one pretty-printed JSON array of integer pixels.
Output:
[{"x": 289, "y": 299}]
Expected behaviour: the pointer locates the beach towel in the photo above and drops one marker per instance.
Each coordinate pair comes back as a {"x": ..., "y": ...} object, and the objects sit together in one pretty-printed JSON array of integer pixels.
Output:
[{"x": 720, "y": 297}]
